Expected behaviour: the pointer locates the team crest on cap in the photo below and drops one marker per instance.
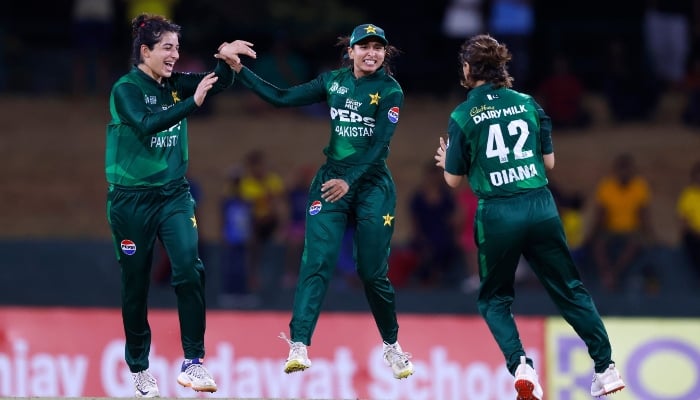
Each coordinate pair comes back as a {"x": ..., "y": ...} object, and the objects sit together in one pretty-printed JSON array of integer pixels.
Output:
[
  {"x": 393, "y": 115},
  {"x": 315, "y": 207},
  {"x": 128, "y": 247}
]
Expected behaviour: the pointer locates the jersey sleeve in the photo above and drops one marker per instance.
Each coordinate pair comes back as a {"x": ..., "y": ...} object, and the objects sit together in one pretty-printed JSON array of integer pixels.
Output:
[
  {"x": 131, "y": 109},
  {"x": 545, "y": 130},
  {"x": 187, "y": 82},
  {"x": 303, "y": 94},
  {"x": 387, "y": 119},
  {"x": 458, "y": 151}
]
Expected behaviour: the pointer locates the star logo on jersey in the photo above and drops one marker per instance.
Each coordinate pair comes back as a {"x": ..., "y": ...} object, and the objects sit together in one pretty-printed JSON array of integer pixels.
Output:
[
  {"x": 176, "y": 98},
  {"x": 387, "y": 219},
  {"x": 370, "y": 29},
  {"x": 374, "y": 98},
  {"x": 194, "y": 221}
]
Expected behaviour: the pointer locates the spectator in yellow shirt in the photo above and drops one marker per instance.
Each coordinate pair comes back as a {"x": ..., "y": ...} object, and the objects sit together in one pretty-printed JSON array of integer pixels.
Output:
[
  {"x": 688, "y": 210},
  {"x": 264, "y": 190},
  {"x": 622, "y": 225}
]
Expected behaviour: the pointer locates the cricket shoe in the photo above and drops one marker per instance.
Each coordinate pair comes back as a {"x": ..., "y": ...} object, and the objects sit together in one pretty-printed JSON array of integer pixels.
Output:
[
  {"x": 146, "y": 385},
  {"x": 527, "y": 383},
  {"x": 608, "y": 381},
  {"x": 194, "y": 375},
  {"x": 298, "y": 359},
  {"x": 398, "y": 360}
]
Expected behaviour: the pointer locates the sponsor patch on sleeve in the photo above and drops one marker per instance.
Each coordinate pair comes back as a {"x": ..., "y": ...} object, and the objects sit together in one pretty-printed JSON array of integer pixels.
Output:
[{"x": 393, "y": 115}]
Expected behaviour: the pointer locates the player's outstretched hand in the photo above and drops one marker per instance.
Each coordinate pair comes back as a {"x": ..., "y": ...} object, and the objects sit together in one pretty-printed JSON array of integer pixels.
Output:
[{"x": 203, "y": 88}]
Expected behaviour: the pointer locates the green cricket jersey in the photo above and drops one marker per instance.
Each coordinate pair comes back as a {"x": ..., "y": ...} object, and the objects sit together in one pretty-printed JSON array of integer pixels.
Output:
[
  {"x": 364, "y": 113},
  {"x": 147, "y": 142},
  {"x": 497, "y": 138}
]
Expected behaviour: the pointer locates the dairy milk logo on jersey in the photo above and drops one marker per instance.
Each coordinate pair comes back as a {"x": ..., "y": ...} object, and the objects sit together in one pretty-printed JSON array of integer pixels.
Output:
[
  {"x": 393, "y": 115},
  {"x": 352, "y": 104},
  {"x": 128, "y": 247},
  {"x": 336, "y": 88},
  {"x": 315, "y": 207}
]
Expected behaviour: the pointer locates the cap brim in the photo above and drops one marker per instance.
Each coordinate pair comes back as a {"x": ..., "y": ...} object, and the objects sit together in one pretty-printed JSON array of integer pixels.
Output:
[{"x": 369, "y": 37}]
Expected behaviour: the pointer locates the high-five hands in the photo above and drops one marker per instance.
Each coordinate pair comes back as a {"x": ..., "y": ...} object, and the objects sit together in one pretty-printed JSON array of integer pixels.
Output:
[{"x": 230, "y": 52}]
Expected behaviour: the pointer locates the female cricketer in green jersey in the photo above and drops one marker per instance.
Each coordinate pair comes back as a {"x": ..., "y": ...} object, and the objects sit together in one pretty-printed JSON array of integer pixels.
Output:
[
  {"x": 146, "y": 160},
  {"x": 364, "y": 101},
  {"x": 501, "y": 140}
]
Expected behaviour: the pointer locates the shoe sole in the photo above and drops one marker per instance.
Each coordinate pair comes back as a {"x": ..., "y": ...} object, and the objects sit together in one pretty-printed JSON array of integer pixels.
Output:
[
  {"x": 612, "y": 390},
  {"x": 208, "y": 389},
  {"x": 525, "y": 390},
  {"x": 294, "y": 366},
  {"x": 139, "y": 395},
  {"x": 403, "y": 374}
]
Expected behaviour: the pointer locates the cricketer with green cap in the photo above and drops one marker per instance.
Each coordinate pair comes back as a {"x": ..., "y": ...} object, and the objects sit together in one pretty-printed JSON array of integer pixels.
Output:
[
  {"x": 364, "y": 31},
  {"x": 353, "y": 184}
]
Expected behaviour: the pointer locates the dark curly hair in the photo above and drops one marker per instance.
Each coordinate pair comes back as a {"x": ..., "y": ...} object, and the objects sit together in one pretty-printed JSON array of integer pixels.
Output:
[
  {"x": 487, "y": 61},
  {"x": 148, "y": 29}
]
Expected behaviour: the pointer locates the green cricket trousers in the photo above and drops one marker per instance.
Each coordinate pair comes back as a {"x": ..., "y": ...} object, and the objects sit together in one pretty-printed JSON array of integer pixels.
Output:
[
  {"x": 372, "y": 202},
  {"x": 529, "y": 224},
  {"x": 137, "y": 216}
]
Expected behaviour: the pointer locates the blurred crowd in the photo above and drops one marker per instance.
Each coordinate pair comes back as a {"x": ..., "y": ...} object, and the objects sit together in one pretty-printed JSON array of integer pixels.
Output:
[
  {"x": 631, "y": 57},
  {"x": 262, "y": 217}
]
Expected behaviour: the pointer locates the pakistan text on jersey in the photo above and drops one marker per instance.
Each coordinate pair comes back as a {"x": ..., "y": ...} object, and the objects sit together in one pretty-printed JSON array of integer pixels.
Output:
[
  {"x": 509, "y": 175},
  {"x": 491, "y": 114},
  {"x": 353, "y": 131},
  {"x": 164, "y": 141}
]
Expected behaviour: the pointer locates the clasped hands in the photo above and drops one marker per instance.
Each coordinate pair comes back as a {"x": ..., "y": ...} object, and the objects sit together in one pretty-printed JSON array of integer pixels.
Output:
[{"x": 230, "y": 52}]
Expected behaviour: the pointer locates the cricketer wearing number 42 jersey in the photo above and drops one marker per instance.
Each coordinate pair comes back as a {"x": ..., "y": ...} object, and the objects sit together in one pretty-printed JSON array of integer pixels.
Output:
[
  {"x": 497, "y": 137},
  {"x": 509, "y": 134},
  {"x": 364, "y": 113}
]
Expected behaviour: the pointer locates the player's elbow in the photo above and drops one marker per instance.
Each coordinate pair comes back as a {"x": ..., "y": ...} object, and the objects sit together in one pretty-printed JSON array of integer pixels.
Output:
[
  {"x": 549, "y": 161},
  {"x": 452, "y": 180}
]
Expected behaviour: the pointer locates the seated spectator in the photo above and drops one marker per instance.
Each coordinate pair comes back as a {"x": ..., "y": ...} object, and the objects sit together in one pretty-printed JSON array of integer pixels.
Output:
[
  {"x": 433, "y": 212},
  {"x": 265, "y": 191},
  {"x": 688, "y": 209},
  {"x": 236, "y": 226},
  {"x": 296, "y": 222},
  {"x": 622, "y": 226},
  {"x": 562, "y": 94},
  {"x": 571, "y": 211}
]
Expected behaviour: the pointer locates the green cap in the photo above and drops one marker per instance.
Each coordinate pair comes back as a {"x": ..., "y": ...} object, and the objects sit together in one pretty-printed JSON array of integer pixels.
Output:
[{"x": 365, "y": 31}]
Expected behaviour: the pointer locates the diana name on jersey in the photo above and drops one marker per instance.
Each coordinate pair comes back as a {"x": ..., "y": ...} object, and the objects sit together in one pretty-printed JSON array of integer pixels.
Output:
[{"x": 519, "y": 173}]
